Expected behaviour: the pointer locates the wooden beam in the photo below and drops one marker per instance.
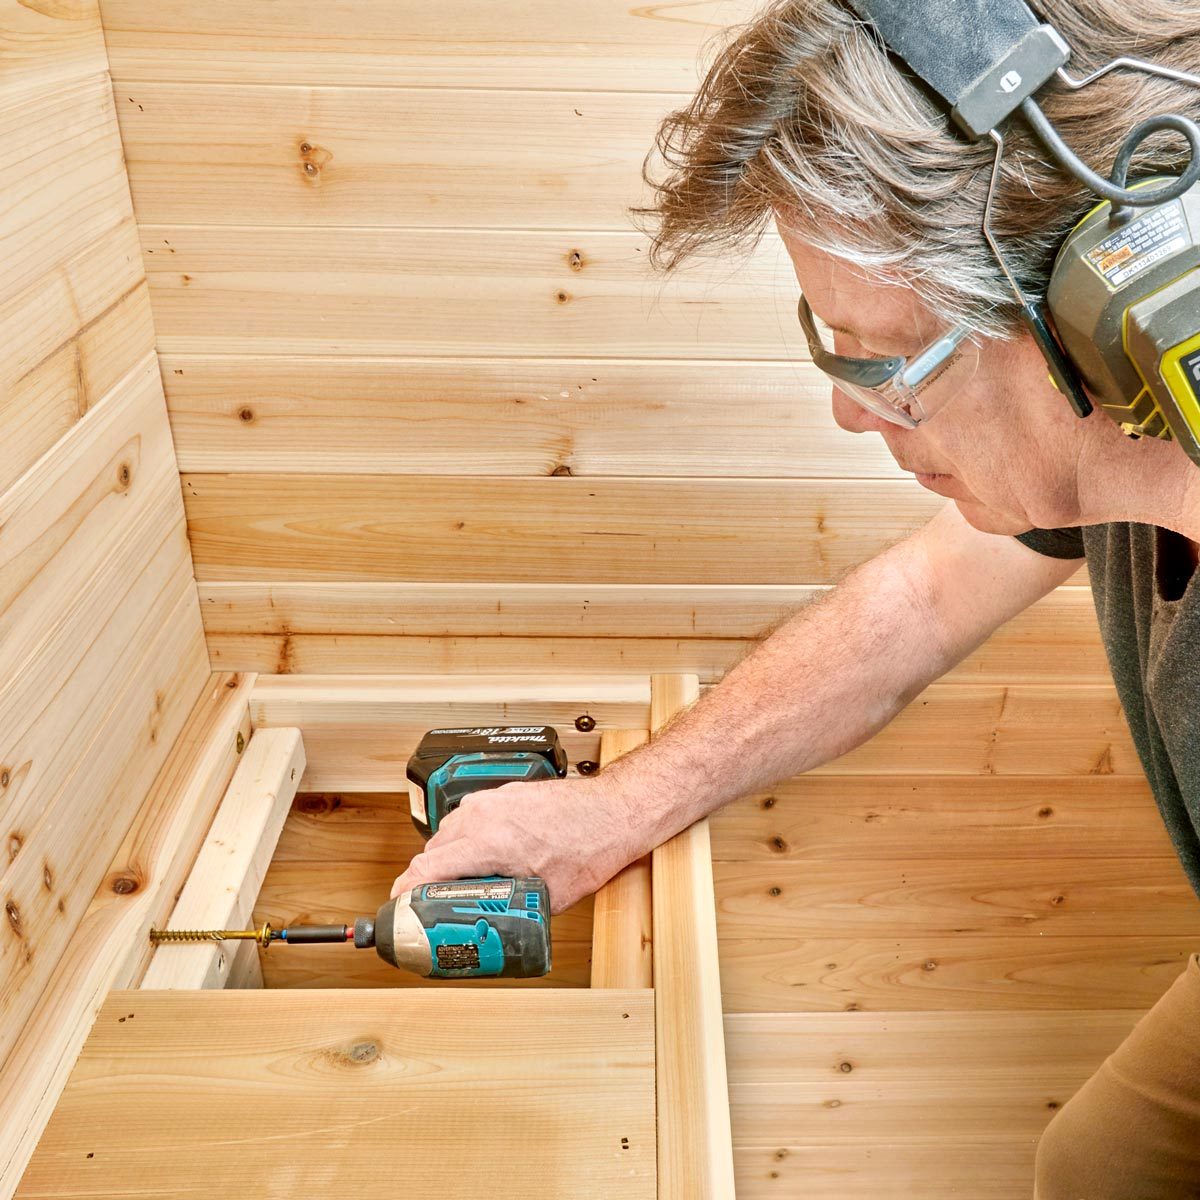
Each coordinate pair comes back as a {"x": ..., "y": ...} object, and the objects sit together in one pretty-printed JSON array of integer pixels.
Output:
[
  {"x": 223, "y": 886},
  {"x": 695, "y": 1155},
  {"x": 109, "y": 948},
  {"x": 622, "y": 945}
]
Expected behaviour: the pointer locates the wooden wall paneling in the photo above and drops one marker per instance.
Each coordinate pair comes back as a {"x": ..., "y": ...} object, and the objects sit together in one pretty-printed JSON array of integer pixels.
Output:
[
  {"x": 622, "y": 941},
  {"x": 937, "y": 1047},
  {"x": 1021, "y": 971},
  {"x": 60, "y": 862},
  {"x": 305, "y": 528},
  {"x": 71, "y": 336},
  {"x": 999, "y": 1168},
  {"x": 195, "y": 1072},
  {"x": 1081, "y": 897},
  {"x": 1025, "y": 649},
  {"x": 941, "y": 817},
  {"x": 402, "y": 628},
  {"x": 108, "y": 946},
  {"x": 506, "y": 416},
  {"x": 473, "y": 293},
  {"x": 609, "y": 46},
  {"x": 67, "y": 187},
  {"x": 90, "y": 542},
  {"x": 695, "y": 1155},
  {"x": 96, "y": 588},
  {"x": 215, "y": 154},
  {"x": 223, "y": 884},
  {"x": 49, "y": 45}
]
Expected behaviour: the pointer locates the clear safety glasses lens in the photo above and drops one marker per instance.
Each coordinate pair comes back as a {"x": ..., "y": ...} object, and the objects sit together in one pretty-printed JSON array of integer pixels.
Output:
[{"x": 898, "y": 389}]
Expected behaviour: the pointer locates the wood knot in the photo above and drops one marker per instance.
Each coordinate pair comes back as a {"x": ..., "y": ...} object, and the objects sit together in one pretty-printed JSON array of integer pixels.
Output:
[
  {"x": 363, "y": 1052},
  {"x": 575, "y": 260},
  {"x": 5, "y": 777},
  {"x": 124, "y": 476},
  {"x": 124, "y": 885},
  {"x": 833, "y": 1104},
  {"x": 561, "y": 297},
  {"x": 47, "y": 878},
  {"x": 780, "y": 1155},
  {"x": 15, "y": 842},
  {"x": 1046, "y": 812},
  {"x": 845, "y": 1067},
  {"x": 929, "y": 965},
  {"x": 769, "y": 802},
  {"x": 775, "y": 891},
  {"x": 1052, "y": 1105},
  {"x": 1057, "y": 900},
  {"x": 246, "y": 414},
  {"x": 14, "y": 917},
  {"x": 561, "y": 470},
  {"x": 777, "y": 843}
]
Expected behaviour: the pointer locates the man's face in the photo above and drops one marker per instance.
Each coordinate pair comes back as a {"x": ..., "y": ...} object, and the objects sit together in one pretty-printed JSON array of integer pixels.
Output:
[{"x": 1004, "y": 445}]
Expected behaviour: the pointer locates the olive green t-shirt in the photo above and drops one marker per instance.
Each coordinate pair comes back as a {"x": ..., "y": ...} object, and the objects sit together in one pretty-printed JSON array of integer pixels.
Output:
[{"x": 1148, "y": 601}]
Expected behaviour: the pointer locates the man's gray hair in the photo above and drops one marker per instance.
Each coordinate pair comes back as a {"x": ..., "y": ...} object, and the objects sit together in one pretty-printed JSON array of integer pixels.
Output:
[{"x": 806, "y": 115}]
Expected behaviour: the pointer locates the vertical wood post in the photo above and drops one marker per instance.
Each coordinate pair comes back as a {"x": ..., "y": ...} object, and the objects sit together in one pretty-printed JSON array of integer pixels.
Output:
[
  {"x": 621, "y": 924},
  {"x": 695, "y": 1150}
]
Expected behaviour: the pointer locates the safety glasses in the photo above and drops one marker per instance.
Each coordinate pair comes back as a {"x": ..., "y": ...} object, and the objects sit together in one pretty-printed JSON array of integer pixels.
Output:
[{"x": 898, "y": 389}]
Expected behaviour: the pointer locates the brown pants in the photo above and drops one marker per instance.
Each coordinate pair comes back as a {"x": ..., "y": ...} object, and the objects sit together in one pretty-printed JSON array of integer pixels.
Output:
[{"x": 1132, "y": 1132}]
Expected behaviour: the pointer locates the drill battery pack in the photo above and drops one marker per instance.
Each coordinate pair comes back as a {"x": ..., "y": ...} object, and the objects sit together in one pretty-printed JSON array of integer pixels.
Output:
[{"x": 450, "y": 764}]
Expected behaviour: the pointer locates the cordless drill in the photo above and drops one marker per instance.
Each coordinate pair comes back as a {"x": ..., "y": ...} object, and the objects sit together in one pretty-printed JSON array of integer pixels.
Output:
[{"x": 465, "y": 928}]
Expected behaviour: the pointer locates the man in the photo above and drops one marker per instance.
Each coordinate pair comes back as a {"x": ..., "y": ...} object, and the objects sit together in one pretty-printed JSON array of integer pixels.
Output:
[{"x": 806, "y": 119}]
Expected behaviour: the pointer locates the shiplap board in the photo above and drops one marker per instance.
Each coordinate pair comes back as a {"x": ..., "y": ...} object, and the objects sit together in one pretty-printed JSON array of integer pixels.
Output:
[
  {"x": 607, "y": 45},
  {"x": 1131, "y": 897},
  {"x": 339, "y": 528},
  {"x": 998, "y": 1168},
  {"x": 46, "y": 45},
  {"x": 50, "y": 884},
  {"x": 312, "y": 290},
  {"x": 929, "y": 817},
  {"x": 90, "y": 540},
  {"x": 471, "y": 416},
  {"x": 196, "y": 1073},
  {"x": 205, "y": 154},
  {"x": 66, "y": 179},
  {"x": 887, "y": 1048},
  {"x": 1055, "y": 641},
  {"x": 880, "y": 972}
]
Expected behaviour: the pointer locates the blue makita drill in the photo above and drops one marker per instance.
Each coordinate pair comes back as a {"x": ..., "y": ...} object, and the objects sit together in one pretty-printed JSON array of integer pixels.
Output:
[{"x": 465, "y": 928}]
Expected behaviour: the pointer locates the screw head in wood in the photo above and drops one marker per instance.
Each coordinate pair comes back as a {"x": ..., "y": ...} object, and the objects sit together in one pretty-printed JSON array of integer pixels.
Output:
[{"x": 585, "y": 723}]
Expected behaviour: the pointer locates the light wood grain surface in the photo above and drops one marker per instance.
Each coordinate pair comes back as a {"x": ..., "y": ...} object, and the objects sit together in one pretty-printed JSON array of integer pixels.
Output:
[
  {"x": 225, "y": 879},
  {"x": 363, "y": 1093},
  {"x": 607, "y": 45},
  {"x": 109, "y": 947},
  {"x": 623, "y": 920}
]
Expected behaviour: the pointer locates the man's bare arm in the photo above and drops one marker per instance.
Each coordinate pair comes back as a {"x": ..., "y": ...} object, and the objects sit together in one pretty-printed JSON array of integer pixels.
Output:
[{"x": 823, "y": 683}]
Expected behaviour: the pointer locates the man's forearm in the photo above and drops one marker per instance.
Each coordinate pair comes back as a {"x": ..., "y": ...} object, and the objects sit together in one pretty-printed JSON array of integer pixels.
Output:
[{"x": 821, "y": 684}]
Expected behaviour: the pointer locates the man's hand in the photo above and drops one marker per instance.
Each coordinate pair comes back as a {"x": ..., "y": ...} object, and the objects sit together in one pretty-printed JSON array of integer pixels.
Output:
[{"x": 574, "y": 833}]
